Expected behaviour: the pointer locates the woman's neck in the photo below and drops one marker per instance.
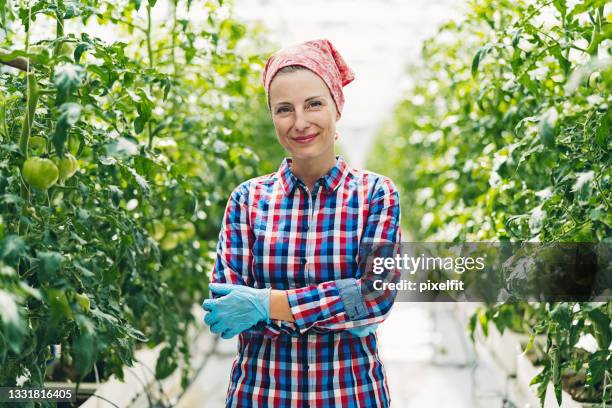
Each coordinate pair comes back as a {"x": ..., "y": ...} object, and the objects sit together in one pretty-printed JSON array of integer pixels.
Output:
[{"x": 310, "y": 170}]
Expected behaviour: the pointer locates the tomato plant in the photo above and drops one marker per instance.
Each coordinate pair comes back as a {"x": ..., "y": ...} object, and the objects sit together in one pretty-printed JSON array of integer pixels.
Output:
[
  {"x": 506, "y": 136},
  {"x": 162, "y": 128}
]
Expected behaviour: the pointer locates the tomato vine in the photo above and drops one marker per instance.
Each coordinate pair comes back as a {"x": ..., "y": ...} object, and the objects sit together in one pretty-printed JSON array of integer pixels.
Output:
[
  {"x": 505, "y": 135},
  {"x": 145, "y": 134}
]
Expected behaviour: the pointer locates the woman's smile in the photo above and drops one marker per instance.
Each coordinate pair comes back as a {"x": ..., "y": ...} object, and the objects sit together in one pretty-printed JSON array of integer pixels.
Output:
[{"x": 305, "y": 139}]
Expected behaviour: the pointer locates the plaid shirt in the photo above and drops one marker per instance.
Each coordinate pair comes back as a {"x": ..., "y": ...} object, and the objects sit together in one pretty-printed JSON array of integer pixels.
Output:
[{"x": 277, "y": 234}]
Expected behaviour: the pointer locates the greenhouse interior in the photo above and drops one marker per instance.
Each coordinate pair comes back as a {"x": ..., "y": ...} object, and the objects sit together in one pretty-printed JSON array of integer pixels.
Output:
[{"x": 171, "y": 234}]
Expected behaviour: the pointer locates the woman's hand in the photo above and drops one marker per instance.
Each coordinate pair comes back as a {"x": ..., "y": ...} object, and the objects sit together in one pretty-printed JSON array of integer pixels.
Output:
[{"x": 239, "y": 308}]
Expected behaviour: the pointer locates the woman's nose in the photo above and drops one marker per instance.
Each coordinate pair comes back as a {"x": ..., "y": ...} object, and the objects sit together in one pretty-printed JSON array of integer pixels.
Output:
[{"x": 300, "y": 120}]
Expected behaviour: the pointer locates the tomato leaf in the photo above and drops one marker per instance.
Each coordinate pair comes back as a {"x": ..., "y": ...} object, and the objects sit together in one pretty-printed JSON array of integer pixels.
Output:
[
  {"x": 13, "y": 326},
  {"x": 583, "y": 187},
  {"x": 603, "y": 132},
  {"x": 67, "y": 78},
  {"x": 598, "y": 365},
  {"x": 547, "y": 126},
  {"x": 561, "y": 7},
  {"x": 480, "y": 54},
  {"x": 3, "y": 8},
  {"x": 58, "y": 303},
  {"x": 555, "y": 356},
  {"x": 139, "y": 124},
  {"x": 122, "y": 148},
  {"x": 9, "y": 198},
  {"x": 49, "y": 264},
  {"x": 12, "y": 247},
  {"x": 561, "y": 314},
  {"x": 536, "y": 221},
  {"x": 587, "y": 5},
  {"x": 79, "y": 50},
  {"x": 141, "y": 181},
  {"x": 601, "y": 324},
  {"x": 563, "y": 62},
  {"x": 84, "y": 350},
  {"x": 166, "y": 364},
  {"x": 136, "y": 334},
  {"x": 69, "y": 116}
]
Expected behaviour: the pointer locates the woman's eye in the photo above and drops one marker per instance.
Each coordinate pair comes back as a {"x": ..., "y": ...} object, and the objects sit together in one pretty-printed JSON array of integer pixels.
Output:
[
  {"x": 282, "y": 110},
  {"x": 315, "y": 103}
]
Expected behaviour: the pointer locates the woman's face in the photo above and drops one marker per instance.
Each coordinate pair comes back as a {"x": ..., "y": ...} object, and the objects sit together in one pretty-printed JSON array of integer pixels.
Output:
[{"x": 304, "y": 114}]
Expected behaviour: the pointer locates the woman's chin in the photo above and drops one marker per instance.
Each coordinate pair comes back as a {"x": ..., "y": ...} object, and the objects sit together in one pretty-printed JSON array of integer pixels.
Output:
[
  {"x": 308, "y": 152},
  {"x": 305, "y": 154}
]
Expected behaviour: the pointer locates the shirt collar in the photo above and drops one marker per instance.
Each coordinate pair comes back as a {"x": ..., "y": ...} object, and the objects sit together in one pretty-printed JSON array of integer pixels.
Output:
[{"x": 331, "y": 180}]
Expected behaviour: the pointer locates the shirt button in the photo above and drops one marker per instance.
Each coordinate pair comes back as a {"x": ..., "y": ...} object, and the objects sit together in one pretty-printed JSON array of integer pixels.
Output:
[{"x": 304, "y": 260}]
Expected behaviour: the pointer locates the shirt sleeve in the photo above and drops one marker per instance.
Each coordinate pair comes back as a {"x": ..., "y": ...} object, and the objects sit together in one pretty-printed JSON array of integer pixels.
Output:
[
  {"x": 233, "y": 261},
  {"x": 346, "y": 303},
  {"x": 234, "y": 258}
]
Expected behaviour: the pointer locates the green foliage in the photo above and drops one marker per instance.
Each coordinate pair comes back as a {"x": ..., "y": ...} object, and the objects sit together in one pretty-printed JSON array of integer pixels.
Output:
[
  {"x": 505, "y": 135},
  {"x": 163, "y": 129}
]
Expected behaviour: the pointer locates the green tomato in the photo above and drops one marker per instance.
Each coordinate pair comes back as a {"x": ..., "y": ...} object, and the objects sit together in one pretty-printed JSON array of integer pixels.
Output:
[
  {"x": 170, "y": 241},
  {"x": 67, "y": 166},
  {"x": 73, "y": 144},
  {"x": 158, "y": 230},
  {"x": 40, "y": 173},
  {"x": 187, "y": 231},
  {"x": 38, "y": 144},
  {"x": 31, "y": 210},
  {"x": 67, "y": 49},
  {"x": 83, "y": 301}
]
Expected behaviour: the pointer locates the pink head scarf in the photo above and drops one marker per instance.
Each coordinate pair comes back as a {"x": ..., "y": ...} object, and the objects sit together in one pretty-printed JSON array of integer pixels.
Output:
[{"x": 320, "y": 57}]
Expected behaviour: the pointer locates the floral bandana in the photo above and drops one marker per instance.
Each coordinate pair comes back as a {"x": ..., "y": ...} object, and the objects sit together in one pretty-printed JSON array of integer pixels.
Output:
[{"x": 319, "y": 56}]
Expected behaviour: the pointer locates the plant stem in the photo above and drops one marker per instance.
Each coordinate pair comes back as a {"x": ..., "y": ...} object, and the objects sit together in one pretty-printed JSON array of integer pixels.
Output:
[
  {"x": 150, "y": 52},
  {"x": 59, "y": 32},
  {"x": 148, "y": 33},
  {"x": 28, "y": 120},
  {"x": 174, "y": 37},
  {"x": 31, "y": 101}
]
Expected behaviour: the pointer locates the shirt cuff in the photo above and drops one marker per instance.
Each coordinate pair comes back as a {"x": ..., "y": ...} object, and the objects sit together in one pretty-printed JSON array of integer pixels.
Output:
[
  {"x": 314, "y": 303},
  {"x": 350, "y": 293}
]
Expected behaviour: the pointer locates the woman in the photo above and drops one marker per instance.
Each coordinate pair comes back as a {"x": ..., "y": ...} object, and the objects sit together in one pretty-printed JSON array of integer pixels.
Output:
[{"x": 286, "y": 277}]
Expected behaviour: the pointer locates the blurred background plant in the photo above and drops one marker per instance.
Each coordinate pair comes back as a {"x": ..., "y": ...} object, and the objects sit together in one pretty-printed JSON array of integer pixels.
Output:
[
  {"x": 114, "y": 257},
  {"x": 505, "y": 136}
]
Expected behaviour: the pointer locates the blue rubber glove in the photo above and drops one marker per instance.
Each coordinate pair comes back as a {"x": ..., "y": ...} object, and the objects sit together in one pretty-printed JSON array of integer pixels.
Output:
[
  {"x": 239, "y": 308},
  {"x": 363, "y": 331}
]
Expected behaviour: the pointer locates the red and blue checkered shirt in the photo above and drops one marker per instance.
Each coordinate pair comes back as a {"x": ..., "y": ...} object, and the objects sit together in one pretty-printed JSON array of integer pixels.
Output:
[{"x": 277, "y": 234}]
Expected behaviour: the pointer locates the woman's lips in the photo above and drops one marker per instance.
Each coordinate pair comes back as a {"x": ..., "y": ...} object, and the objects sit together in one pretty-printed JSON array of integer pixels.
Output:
[{"x": 305, "y": 139}]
